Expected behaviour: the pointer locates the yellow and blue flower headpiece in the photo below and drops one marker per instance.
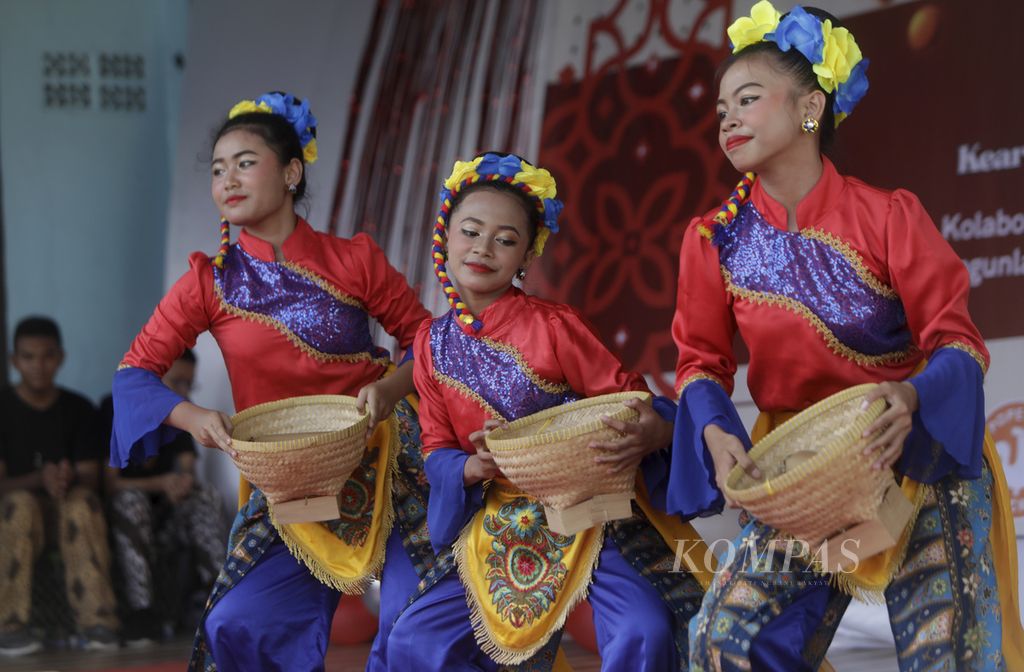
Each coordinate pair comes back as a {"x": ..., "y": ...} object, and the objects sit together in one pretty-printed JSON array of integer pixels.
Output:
[
  {"x": 294, "y": 110},
  {"x": 539, "y": 187},
  {"x": 297, "y": 113},
  {"x": 832, "y": 51}
]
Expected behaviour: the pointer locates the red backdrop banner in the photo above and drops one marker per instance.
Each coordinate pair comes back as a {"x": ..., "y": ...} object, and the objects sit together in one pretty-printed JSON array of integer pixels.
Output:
[
  {"x": 942, "y": 118},
  {"x": 634, "y": 149},
  {"x": 635, "y": 153}
]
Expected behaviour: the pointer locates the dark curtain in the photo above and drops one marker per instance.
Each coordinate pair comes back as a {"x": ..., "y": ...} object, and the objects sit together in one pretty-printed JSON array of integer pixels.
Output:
[{"x": 439, "y": 80}]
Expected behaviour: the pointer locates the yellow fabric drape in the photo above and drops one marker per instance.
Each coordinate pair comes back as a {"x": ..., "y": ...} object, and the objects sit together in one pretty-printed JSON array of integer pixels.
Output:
[
  {"x": 331, "y": 560},
  {"x": 504, "y": 642},
  {"x": 511, "y": 645},
  {"x": 874, "y": 574}
]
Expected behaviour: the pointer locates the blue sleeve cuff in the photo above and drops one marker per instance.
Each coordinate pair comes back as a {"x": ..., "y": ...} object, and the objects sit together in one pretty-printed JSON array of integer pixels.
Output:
[
  {"x": 141, "y": 404},
  {"x": 451, "y": 504},
  {"x": 407, "y": 357},
  {"x": 664, "y": 407},
  {"x": 691, "y": 490},
  {"x": 655, "y": 467},
  {"x": 949, "y": 425}
]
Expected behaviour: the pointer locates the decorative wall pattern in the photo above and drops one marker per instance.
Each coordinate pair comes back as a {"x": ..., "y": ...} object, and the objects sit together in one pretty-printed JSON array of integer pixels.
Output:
[
  {"x": 634, "y": 148},
  {"x": 85, "y": 81}
]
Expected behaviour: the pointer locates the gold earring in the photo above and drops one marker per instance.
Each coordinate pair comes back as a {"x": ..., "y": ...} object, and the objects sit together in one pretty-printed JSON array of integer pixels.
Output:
[{"x": 809, "y": 125}]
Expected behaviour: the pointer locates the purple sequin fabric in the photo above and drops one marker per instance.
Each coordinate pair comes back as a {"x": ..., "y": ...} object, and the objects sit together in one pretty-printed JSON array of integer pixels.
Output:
[
  {"x": 493, "y": 374},
  {"x": 273, "y": 290},
  {"x": 762, "y": 258}
]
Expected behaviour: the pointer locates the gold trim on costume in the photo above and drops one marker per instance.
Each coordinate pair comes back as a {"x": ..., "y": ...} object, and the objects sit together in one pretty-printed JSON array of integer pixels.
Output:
[
  {"x": 465, "y": 390},
  {"x": 873, "y": 575},
  {"x": 970, "y": 350},
  {"x": 328, "y": 558},
  {"x": 268, "y": 321},
  {"x": 694, "y": 378},
  {"x": 323, "y": 284},
  {"x": 546, "y": 385},
  {"x": 855, "y": 259},
  {"x": 496, "y": 637},
  {"x": 833, "y": 343}
]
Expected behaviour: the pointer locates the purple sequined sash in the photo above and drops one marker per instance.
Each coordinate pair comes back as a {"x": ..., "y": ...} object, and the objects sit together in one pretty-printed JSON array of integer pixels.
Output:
[
  {"x": 494, "y": 374},
  {"x": 295, "y": 302},
  {"x": 763, "y": 259}
]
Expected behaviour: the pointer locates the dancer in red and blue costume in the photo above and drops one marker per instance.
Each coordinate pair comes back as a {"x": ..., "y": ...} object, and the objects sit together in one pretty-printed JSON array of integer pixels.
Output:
[
  {"x": 833, "y": 283},
  {"x": 497, "y": 355},
  {"x": 290, "y": 309}
]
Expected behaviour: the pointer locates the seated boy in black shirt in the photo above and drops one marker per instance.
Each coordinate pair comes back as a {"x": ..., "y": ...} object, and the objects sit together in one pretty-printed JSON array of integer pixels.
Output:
[{"x": 49, "y": 474}]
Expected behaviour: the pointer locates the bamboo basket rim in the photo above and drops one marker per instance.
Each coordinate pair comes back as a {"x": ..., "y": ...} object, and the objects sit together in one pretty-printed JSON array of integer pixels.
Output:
[
  {"x": 497, "y": 444},
  {"x": 358, "y": 427},
  {"x": 822, "y": 458}
]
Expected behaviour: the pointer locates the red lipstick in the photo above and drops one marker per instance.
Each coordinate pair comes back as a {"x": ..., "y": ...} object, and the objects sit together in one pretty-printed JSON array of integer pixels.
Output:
[{"x": 736, "y": 141}]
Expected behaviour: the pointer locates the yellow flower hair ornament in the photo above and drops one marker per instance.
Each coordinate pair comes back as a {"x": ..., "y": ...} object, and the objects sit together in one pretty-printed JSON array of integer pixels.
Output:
[
  {"x": 832, "y": 51},
  {"x": 294, "y": 110}
]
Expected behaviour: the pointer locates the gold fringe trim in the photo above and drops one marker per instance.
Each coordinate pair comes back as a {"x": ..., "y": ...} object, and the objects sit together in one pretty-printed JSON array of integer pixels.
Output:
[
  {"x": 291, "y": 336},
  {"x": 852, "y": 256},
  {"x": 546, "y": 385},
  {"x": 122, "y": 366},
  {"x": 323, "y": 284},
  {"x": 858, "y": 588},
  {"x": 694, "y": 378},
  {"x": 970, "y": 350},
  {"x": 501, "y": 654},
  {"x": 356, "y": 585},
  {"x": 800, "y": 309},
  {"x": 465, "y": 390}
]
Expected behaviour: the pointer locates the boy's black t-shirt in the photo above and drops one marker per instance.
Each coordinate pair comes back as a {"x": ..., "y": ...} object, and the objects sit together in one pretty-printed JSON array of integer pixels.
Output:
[{"x": 30, "y": 437}]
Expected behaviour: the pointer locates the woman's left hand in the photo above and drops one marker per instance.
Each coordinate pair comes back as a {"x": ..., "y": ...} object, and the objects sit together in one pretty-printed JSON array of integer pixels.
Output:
[
  {"x": 377, "y": 400},
  {"x": 639, "y": 438},
  {"x": 895, "y": 423}
]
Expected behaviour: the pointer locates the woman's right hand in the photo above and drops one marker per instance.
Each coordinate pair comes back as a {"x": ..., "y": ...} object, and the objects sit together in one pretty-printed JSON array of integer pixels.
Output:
[
  {"x": 727, "y": 451},
  {"x": 210, "y": 428},
  {"x": 481, "y": 465}
]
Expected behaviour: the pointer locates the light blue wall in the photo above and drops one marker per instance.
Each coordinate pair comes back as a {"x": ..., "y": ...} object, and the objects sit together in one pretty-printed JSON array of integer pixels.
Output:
[{"x": 85, "y": 190}]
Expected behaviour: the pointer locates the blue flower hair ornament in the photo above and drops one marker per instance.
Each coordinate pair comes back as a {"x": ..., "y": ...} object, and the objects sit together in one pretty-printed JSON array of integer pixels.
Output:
[
  {"x": 294, "y": 110},
  {"x": 831, "y": 51}
]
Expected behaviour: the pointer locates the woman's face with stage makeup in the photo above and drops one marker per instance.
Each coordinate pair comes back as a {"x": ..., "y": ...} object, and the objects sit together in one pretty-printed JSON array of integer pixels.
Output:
[
  {"x": 488, "y": 242},
  {"x": 759, "y": 114},
  {"x": 247, "y": 181}
]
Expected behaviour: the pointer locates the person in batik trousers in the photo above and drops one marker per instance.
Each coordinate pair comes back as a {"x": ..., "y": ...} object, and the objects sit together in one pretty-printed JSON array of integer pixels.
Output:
[
  {"x": 49, "y": 497},
  {"x": 834, "y": 283},
  {"x": 166, "y": 528},
  {"x": 497, "y": 355},
  {"x": 289, "y": 308}
]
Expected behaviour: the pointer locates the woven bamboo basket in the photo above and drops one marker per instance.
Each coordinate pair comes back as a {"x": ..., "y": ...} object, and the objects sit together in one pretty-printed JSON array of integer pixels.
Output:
[
  {"x": 816, "y": 480},
  {"x": 300, "y": 447},
  {"x": 547, "y": 454}
]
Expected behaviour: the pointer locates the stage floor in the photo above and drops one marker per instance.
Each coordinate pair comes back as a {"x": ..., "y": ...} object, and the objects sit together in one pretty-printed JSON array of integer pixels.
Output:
[{"x": 171, "y": 657}]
